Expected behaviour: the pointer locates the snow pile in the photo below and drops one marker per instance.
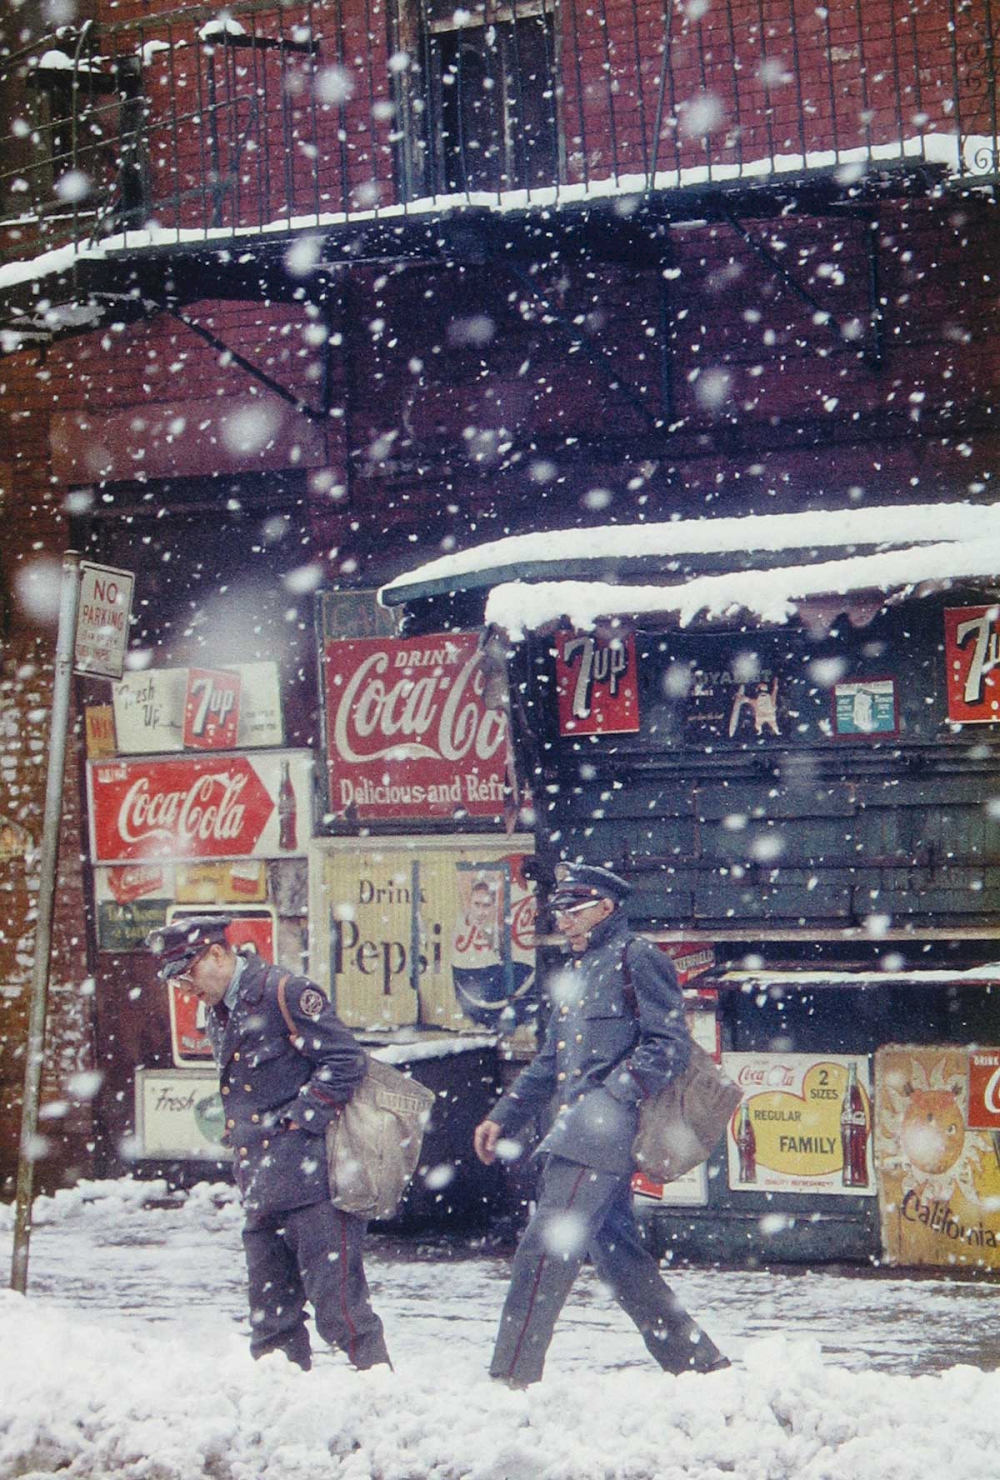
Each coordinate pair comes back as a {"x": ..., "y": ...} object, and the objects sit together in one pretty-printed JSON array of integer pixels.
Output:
[
  {"x": 889, "y": 548},
  {"x": 97, "y": 1404},
  {"x": 121, "y": 1201},
  {"x": 818, "y": 529},
  {"x": 130, "y": 1358}
]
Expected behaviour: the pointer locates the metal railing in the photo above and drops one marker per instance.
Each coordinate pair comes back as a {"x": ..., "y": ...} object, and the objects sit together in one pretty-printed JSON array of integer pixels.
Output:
[{"x": 204, "y": 123}]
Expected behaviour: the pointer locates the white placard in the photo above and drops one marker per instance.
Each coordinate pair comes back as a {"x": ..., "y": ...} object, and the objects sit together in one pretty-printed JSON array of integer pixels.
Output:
[
  {"x": 149, "y": 709},
  {"x": 102, "y": 620},
  {"x": 179, "y": 1114}
]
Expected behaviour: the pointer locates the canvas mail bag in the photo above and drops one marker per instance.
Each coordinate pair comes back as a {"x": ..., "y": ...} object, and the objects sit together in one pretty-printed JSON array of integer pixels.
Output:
[
  {"x": 680, "y": 1127},
  {"x": 373, "y": 1146}
]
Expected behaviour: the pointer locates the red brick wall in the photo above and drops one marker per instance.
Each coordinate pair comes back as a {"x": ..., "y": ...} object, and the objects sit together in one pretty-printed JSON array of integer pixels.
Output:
[{"x": 34, "y": 538}]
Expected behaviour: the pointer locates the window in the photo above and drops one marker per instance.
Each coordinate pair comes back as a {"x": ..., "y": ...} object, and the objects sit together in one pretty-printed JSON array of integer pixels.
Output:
[{"x": 479, "y": 98}]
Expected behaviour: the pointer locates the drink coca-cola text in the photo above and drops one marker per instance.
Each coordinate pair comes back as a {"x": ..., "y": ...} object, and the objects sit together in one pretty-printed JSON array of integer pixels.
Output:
[
  {"x": 434, "y": 715},
  {"x": 409, "y": 732}
]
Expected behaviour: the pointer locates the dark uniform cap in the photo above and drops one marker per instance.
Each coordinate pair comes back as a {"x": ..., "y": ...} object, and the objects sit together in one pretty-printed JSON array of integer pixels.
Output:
[
  {"x": 176, "y": 945},
  {"x": 579, "y": 883}
]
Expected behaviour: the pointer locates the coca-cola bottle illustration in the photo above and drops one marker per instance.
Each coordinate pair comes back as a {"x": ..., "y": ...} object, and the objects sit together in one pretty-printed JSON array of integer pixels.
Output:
[
  {"x": 287, "y": 815},
  {"x": 746, "y": 1145},
  {"x": 854, "y": 1132}
]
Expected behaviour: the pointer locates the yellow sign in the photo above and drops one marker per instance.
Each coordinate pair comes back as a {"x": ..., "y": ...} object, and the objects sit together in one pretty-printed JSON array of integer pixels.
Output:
[
  {"x": 99, "y": 721},
  {"x": 242, "y": 882},
  {"x": 436, "y": 932},
  {"x": 804, "y": 1125},
  {"x": 939, "y": 1181}
]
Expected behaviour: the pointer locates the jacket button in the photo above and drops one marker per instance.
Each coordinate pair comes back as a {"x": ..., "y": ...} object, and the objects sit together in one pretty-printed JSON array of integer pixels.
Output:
[
  {"x": 560, "y": 1077},
  {"x": 236, "y": 1057},
  {"x": 225, "y": 1089},
  {"x": 230, "y": 1124},
  {"x": 579, "y": 1037},
  {"x": 255, "y": 1118},
  {"x": 244, "y": 1151},
  {"x": 248, "y": 1087},
  {"x": 266, "y": 1143},
  {"x": 561, "y": 1043}
]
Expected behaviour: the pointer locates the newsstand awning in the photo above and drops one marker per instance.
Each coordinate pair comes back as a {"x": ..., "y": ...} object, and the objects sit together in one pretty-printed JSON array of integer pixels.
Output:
[{"x": 767, "y": 568}]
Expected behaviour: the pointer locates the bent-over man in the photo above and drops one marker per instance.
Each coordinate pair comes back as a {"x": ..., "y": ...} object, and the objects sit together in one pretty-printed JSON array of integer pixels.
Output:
[
  {"x": 279, "y": 1094},
  {"x": 616, "y": 1036}
]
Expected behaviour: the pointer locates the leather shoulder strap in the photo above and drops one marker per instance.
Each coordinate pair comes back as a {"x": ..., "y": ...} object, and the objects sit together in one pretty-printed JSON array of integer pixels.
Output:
[
  {"x": 280, "y": 985},
  {"x": 627, "y": 987}
]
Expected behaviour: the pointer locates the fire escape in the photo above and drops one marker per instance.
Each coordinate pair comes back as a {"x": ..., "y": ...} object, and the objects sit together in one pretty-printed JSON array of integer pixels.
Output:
[{"x": 203, "y": 154}]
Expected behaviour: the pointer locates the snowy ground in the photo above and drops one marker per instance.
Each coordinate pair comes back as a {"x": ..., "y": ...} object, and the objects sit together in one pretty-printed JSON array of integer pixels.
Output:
[{"x": 129, "y": 1358}]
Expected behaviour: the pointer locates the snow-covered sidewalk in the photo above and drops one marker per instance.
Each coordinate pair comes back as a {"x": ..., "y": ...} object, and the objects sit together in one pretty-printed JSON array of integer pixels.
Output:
[{"x": 129, "y": 1358}]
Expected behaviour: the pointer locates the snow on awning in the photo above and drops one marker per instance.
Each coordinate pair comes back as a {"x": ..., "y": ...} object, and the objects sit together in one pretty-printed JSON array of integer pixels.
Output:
[{"x": 768, "y": 568}]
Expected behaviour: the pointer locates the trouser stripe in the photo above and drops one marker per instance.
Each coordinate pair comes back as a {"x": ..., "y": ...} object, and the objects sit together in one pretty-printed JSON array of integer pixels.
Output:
[{"x": 538, "y": 1279}]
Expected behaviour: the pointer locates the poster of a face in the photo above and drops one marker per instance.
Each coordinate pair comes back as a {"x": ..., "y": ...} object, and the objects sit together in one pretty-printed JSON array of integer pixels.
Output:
[
  {"x": 493, "y": 945},
  {"x": 429, "y": 932}
]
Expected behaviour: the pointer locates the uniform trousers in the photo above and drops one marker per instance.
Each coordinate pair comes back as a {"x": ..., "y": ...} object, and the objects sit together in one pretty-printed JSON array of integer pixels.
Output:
[
  {"x": 579, "y": 1212},
  {"x": 312, "y": 1253}
]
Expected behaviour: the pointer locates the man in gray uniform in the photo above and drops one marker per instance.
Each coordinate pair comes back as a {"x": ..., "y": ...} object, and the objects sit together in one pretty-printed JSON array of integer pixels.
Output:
[
  {"x": 280, "y": 1093},
  {"x": 616, "y": 1036}
]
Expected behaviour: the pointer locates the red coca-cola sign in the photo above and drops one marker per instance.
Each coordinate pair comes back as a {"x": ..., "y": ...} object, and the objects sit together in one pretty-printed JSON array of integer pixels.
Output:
[
  {"x": 189, "y": 807},
  {"x": 984, "y": 1089},
  {"x": 408, "y": 732}
]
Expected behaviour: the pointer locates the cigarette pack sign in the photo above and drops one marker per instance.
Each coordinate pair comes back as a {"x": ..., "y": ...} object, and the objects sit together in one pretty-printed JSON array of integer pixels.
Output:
[
  {"x": 596, "y": 684},
  {"x": 408, "y": 731},
  {"x": 200, "y": 807},
  {"x": 972, "y": 655}
]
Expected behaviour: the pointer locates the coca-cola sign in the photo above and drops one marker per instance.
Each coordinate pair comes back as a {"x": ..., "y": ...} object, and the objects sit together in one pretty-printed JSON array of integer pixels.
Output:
[
  {"x": 408, "y": 732},
  {"x": 196, "y": 807}
]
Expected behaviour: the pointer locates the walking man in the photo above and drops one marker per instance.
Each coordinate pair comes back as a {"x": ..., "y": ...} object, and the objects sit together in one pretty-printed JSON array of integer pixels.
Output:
[
  {"x": 280, "y": 1093},
  {"x": 616, "y": 1036}
]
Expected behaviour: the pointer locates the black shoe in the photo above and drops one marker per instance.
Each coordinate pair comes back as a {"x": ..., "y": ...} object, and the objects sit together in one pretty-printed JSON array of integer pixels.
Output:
[
  {"x": 516, "y": 1384},
  {"x": 719, "y": 1365}
]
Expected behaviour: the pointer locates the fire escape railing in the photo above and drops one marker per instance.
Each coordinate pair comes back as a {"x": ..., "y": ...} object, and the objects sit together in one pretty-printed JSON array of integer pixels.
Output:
[{"x": 200, "y": 123}]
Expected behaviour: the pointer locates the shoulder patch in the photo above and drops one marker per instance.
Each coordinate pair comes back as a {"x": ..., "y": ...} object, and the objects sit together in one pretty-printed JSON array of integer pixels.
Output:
[{"x": 312, "y": 1002}]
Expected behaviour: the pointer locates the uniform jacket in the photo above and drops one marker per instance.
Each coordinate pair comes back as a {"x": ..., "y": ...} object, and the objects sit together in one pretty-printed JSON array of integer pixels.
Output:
[
  {"x": 266, "y": 1083},
  {"x": 614, "y": 1038}
]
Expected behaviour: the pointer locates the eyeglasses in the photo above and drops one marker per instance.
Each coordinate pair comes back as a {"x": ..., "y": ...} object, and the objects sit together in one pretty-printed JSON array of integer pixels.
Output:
[{"x": 574, "y": 909}]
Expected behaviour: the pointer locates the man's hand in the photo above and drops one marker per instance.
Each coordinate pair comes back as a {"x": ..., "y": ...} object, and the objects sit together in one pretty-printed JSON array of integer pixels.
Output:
[{"x": 485, "y": 1138}]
